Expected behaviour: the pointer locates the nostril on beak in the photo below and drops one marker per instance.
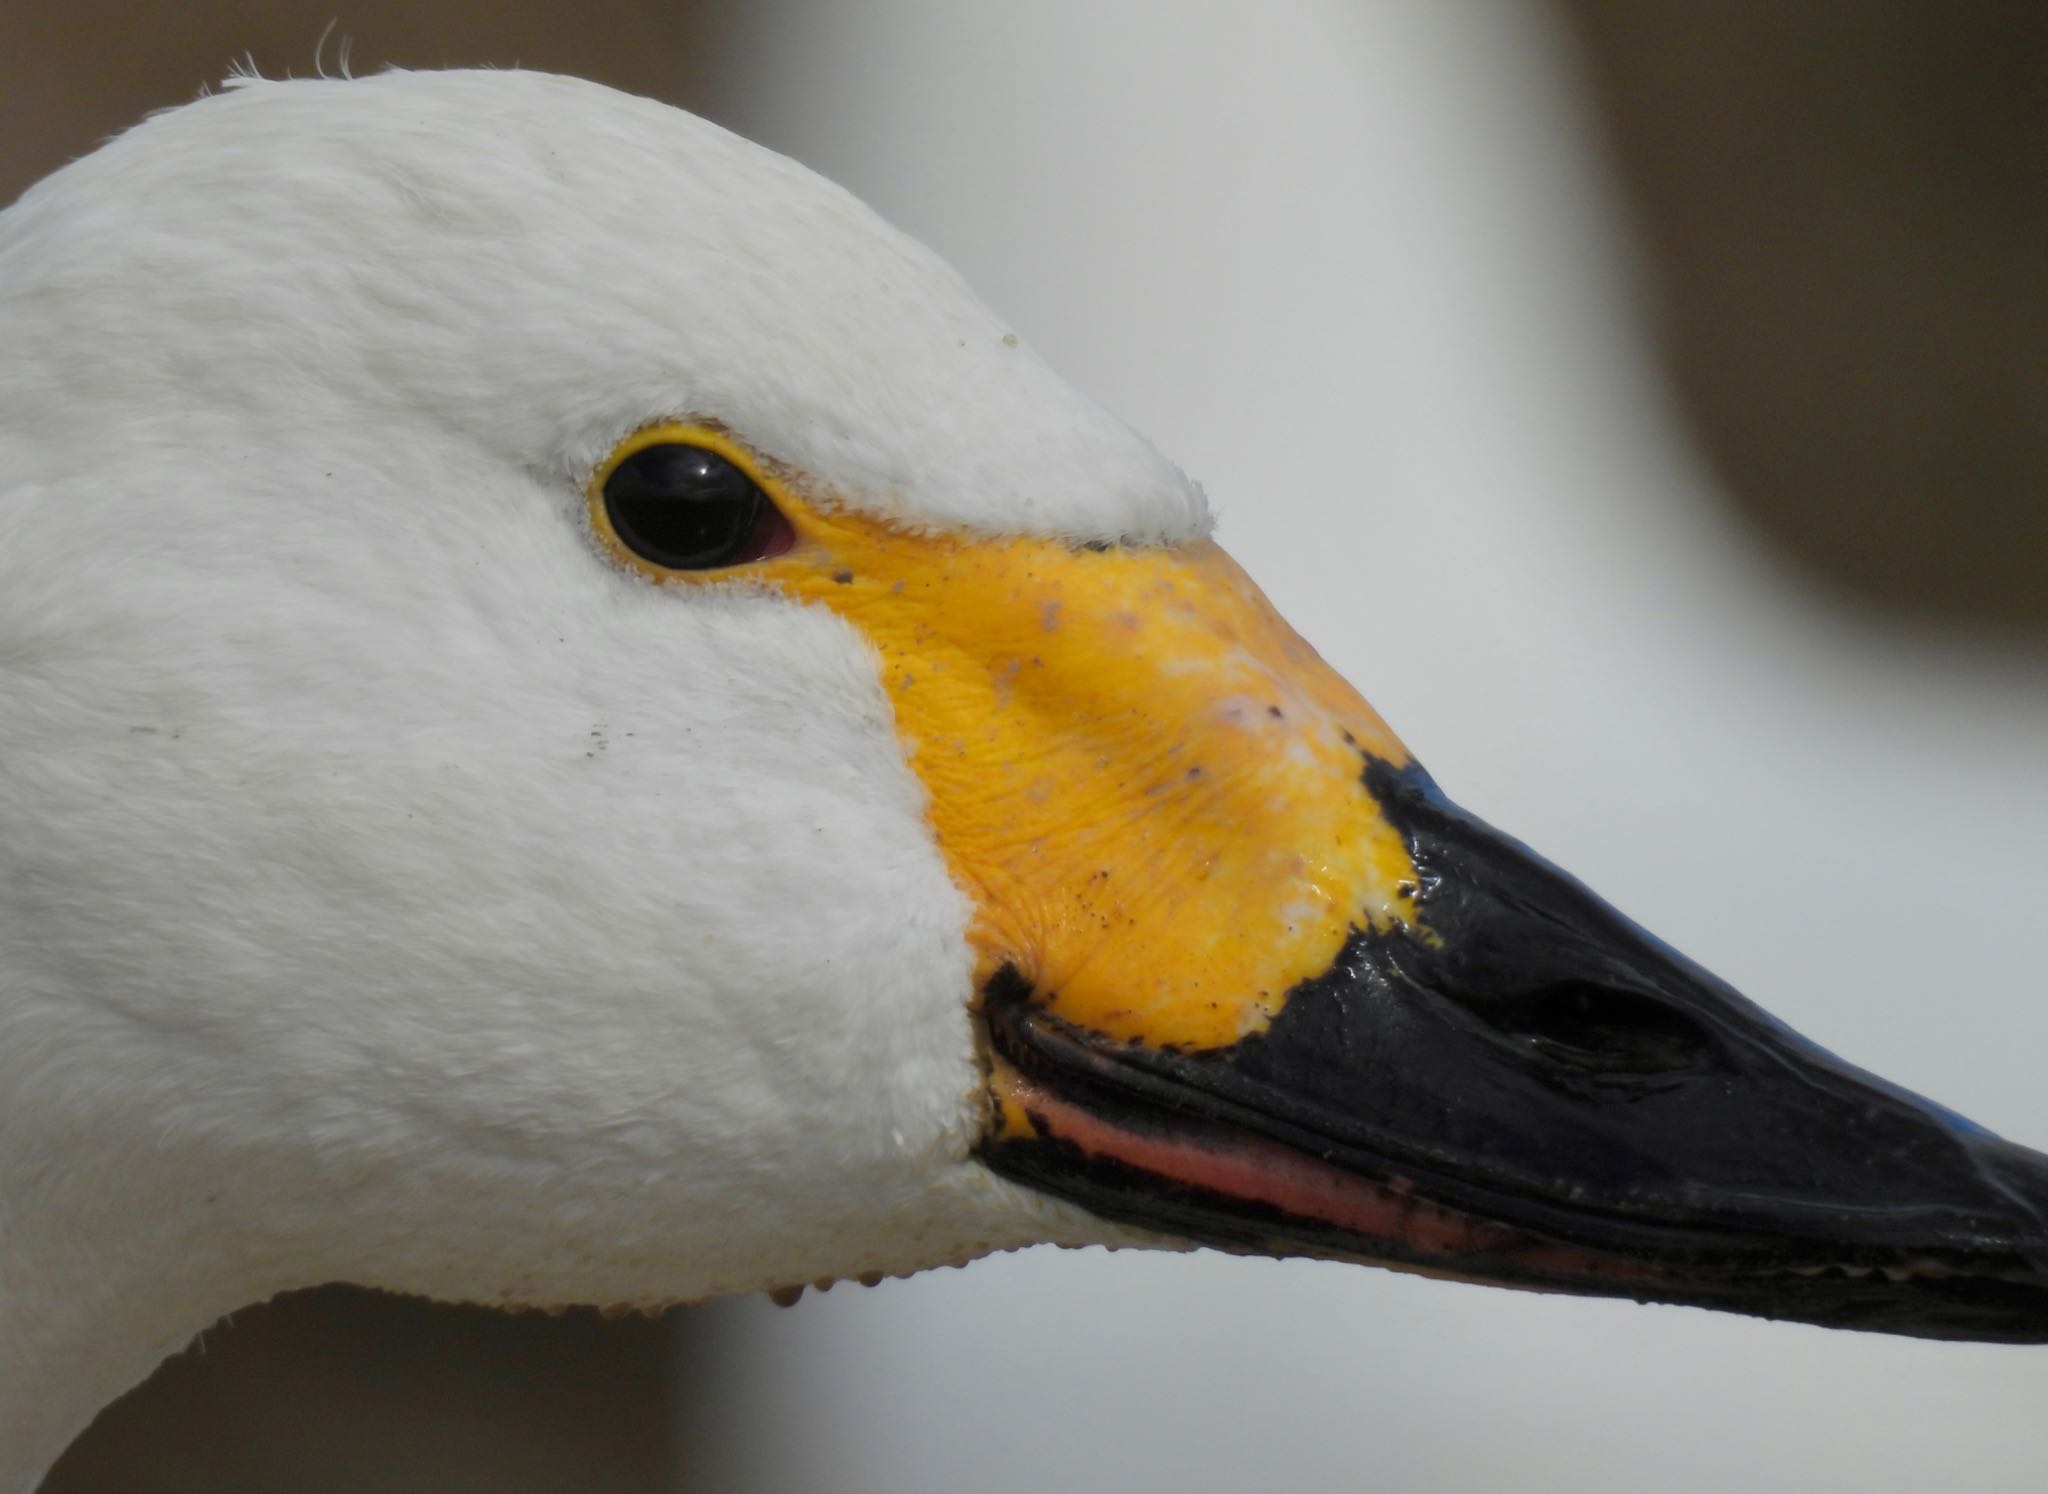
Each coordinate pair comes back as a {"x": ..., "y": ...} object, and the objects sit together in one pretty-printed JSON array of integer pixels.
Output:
[{"x": 1603, "y": 1028}]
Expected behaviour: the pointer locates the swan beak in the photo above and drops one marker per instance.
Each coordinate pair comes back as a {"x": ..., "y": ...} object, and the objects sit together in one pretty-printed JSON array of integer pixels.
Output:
[
  {"x": 1524, "y": 1088},
  {"x": 1246, "y": 977}
]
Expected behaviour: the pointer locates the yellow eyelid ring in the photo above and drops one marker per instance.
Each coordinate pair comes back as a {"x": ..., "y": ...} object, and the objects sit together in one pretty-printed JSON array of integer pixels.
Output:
[{"x": 787, "y": 515}]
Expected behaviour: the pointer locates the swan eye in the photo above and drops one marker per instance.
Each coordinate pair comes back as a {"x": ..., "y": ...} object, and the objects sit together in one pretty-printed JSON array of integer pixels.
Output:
[{"x": 689, "y": 509}]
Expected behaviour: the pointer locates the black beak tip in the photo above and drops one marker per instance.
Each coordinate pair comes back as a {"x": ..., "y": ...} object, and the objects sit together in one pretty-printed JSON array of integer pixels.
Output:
[{"x": 1980, "y": 1309}]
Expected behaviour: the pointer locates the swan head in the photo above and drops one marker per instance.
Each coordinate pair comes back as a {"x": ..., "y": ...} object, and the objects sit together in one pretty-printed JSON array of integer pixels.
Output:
[
  {"x": 497, "y": 919},
  {"x": 585, "y": 725}
]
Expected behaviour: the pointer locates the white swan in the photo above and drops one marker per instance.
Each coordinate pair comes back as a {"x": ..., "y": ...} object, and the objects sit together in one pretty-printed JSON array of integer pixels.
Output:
[{"x": 579, "y": 723}]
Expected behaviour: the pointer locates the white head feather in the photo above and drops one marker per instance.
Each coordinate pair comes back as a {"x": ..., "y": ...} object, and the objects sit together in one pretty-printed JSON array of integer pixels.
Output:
[{"x": 390, "y": 889}]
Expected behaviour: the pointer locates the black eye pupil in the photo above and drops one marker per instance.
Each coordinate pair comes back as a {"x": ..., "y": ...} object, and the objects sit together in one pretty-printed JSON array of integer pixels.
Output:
[{"x": 683, "y": 507}]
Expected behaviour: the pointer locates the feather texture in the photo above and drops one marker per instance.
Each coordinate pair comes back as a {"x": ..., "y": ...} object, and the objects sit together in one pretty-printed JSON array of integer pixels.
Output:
[{"x": 390, "y": 889}]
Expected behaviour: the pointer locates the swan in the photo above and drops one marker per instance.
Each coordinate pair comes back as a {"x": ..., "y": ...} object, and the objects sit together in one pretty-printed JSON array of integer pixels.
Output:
[{"x": 579, "y": 723}]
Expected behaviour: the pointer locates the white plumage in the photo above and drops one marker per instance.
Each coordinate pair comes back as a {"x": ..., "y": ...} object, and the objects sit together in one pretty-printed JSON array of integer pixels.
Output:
[{"x": 389, "y": 889}]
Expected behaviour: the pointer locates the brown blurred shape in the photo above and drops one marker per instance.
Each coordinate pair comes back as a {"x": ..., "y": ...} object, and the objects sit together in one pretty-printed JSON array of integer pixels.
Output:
[
  {"x": 348, "y": 1392},
  {"x": 74, "y": 73},
  {"x": 1846, "y": 207}
]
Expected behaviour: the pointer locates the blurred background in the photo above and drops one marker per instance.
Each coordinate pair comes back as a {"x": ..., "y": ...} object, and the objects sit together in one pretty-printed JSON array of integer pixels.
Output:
[{"x": 1680, "y": 371}]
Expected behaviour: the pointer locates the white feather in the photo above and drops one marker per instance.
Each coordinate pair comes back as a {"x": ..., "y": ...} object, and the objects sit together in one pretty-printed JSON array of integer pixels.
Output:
[{"x": 390, "y": 890}]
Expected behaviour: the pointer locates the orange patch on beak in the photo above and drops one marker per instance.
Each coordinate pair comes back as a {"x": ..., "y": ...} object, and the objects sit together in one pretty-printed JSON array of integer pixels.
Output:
[{"x": 1146, "y": 781}]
